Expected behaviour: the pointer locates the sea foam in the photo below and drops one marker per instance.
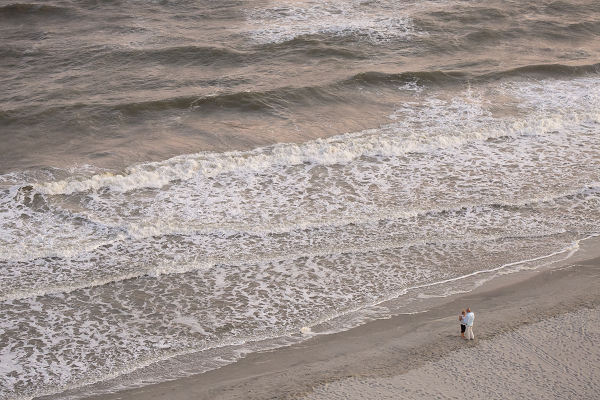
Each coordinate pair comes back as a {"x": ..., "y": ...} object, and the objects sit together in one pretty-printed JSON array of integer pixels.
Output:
[{"x": 437, "y": 123}]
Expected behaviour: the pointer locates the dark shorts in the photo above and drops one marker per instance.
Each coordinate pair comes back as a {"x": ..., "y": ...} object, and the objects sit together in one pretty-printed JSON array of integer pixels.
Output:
[{"x": 463, "y": 328}]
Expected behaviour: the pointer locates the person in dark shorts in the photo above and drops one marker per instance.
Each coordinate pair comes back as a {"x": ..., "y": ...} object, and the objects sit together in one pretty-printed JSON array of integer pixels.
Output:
[{"x": 463, "y": 323}]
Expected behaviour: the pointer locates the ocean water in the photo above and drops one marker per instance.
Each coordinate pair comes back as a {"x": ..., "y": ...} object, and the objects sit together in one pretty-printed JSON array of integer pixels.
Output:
[{"x": 184, "y": 182}]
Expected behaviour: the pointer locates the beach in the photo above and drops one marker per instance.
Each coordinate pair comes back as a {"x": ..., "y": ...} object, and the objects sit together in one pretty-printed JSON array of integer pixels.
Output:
[
  {"x": 536, "y": 334},
  {"x": 254, "y": 198},
  {"x": 551, "y": 359}
]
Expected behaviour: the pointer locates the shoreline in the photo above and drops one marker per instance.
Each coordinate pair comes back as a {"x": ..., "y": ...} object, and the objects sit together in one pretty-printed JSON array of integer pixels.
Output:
[{"x": 391, "y": 347}]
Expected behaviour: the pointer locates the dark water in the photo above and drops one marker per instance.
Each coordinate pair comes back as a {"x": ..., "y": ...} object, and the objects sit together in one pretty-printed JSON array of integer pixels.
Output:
[{"x": 183, "y": 182}]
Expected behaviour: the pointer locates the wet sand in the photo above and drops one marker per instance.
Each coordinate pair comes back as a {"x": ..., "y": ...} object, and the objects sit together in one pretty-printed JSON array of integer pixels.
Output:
[{"x": 338, "y": 365}]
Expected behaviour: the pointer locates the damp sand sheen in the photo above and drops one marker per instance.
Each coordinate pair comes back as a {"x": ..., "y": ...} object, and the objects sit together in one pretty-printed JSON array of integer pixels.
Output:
[{"x": 186, "y": 186}]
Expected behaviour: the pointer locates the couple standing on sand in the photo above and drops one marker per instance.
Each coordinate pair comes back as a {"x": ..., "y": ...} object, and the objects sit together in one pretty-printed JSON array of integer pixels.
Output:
[{"x": 466, "y": 324}]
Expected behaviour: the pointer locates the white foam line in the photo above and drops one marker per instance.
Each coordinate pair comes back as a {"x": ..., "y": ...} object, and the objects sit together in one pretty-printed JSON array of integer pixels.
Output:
[
  {"x": 572, "y": 249},
  {"x": 184, "y": 268},
  {"x": 24, "y": 256},
  {"x": 56, "y": 289},
  {"x": 332, "y": 18},
  {"x": 353, "y": 220},
  {"x": 395, "y": 139},
  {"x": 340, "y": 149},
  {"x": 150, "y": 361},
  {"x": 189, "y": 267},
  {"x": 136, "y": 233}
]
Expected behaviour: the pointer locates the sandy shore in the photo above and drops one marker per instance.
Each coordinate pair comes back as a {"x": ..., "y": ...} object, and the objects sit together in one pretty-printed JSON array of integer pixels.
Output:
[
  {"x": 523, "y": 314},
  {"x": 556, "y": 358}
]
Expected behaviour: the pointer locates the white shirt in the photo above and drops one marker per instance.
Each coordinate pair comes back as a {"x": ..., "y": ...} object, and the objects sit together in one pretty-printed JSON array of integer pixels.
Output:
[{"x": 470, "y": 317}]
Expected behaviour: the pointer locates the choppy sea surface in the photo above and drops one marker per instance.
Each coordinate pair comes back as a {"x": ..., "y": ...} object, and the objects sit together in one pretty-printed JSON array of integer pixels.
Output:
[{"x": 183, "y": 182}]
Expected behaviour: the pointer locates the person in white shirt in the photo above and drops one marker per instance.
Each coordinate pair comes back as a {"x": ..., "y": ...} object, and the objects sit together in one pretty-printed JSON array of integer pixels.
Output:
[{"x": 469, "y": 321}]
